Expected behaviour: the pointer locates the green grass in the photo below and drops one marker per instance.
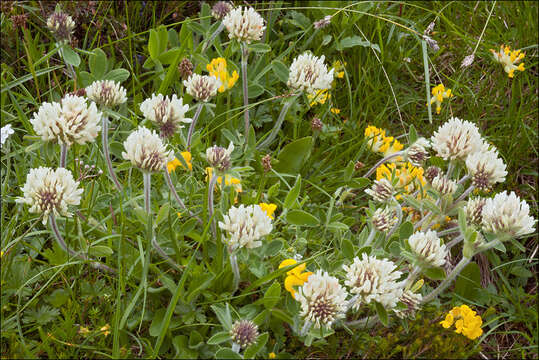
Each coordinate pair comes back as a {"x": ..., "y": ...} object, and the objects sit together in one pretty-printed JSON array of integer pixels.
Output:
[{"x": 47, "y": 298}]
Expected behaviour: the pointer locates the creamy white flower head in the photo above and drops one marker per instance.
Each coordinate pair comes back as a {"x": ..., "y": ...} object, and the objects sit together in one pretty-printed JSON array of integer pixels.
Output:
[
  {"x": 244, "y": 24},
  {"x": 384, "y": 219},
  {"x": 145, "y": 150},
  {"x": 49, "y": 191},
  {"x": 5, "y": 132},
  {"x": 374, "y": 280},
  {"x": 202, "y": 87},
  {"x": 474, "y": 210},
  {"x": 70, "y": 121},
  {"x": 61, "y": 25},
  {"x": 417, "y": 152},
  {"x": 245, "y": 225},
  {"x": 428, "y": 248},
  {"x": 167, "y": 113},
  {"x": 486, "y": 168},
  {"x": 456, "y": 139},
  {"x": 309, "y": 73},
  {"x": 443, "y": 185},
  {"x": 507, "y": 214},
  {"x": 219, "y": 157},
  {"x": 322, "y": 299},
  {"x": 413, "y": 302},
  {"x": 381, "y": 190},
  {"x": 106, "y": 93}
]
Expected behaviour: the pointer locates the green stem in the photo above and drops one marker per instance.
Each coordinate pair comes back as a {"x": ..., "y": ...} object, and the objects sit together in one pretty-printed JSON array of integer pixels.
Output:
[
  {"x": 192, "y": 126},
  {"x": 448, "y": 280},
  {"x": 389, "y": 157},
  {"x": 63, "y": 155},
  {"x": 106, "y": 154},
  {"x": 267, "y": 141},
  {"x": 244, "y": 57}
]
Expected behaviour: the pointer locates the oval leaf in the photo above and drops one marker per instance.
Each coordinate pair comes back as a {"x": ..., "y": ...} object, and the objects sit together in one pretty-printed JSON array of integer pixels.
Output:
[{"x": 301, "y": 218}]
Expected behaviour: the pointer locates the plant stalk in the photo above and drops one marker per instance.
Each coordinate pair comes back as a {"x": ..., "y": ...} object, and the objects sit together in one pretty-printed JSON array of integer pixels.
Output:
[
  {"x": 212, "y": 37},
  {"x": 286, "y": 106},
  {"x": 235, "y": 270},
  {"x": 177, "y": 197},
  {"x": 447, "y": 281},
  {"x": 211, "y": 187},
  {"x": 389, "y": 157},
  {"x": 244, "y": 57},
  {"x": 192, "y": 126},
  {"x": 399, "y": 219},
  {"x": 106, "y": 153},
  {"x": 63, "y": 155},
  {"x": 60, "y": 240},
  {"x": 306, "y": 327}
]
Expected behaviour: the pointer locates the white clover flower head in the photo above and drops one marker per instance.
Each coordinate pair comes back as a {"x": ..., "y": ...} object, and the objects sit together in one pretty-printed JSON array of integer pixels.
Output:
[
  {"x": 444, "y": 185},
  {"x": 244, "y": 24},
  {"x": 485, "y": 168},
  {"x": 49, "y": 191},
  {"x": 322, "y": 23},
  {"x": 417, "y": 152},
  {"x": 70, "y": 121},
  {"x": 167, "y": 113},
  {"x": 202, "y": 87},
  {"x": 106, "y": 93},
  {"x": 309, "y": 73},
  {"x": 474, "y": 210},
  {"x": 374, "y": 280},
  {"x": 384, "y": 219},
  {"x": 428, "y": 248},
  {"x": 221, "y": 9},
  {"x": 61, "y": 25},
  {"x": 219, "y": 157},
  {"x": 322, "y": 299},
  {"x": 382, "y": 190},
  {"x": 244, "y": 333},
  {"x": 5, "y": 132},
  {"x": 456, "y": 139},
  {"x": 145, "y": 150},
  {"x": 245, "y": 225},
  {"x": 431, "y": 173},
  {"x": 413, "y": 302},
  {"x": 507, "y": 214}
]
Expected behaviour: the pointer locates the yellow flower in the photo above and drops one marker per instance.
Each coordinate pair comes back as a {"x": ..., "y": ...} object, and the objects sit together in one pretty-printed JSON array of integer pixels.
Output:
[
  {"x": 508, "y": 59},
  {"x": 295, "y": 277},
  {"x": 409, "y": 178},
  {"x": 379, "y": 142},
  {"x": 268, "y": 208},
  {"x": 466, "y": 322},
  {"x": 271, "y": 355},
  {"x": 217, "y": 69},
  {"x": 84, "y": 330},
  {"x": 319, "y": 97},
  {"x": 105, "y": 329},
  {"x": 439, "y": 93},
  {"x": 335, "y": 110},
  {"x": 179, "y": 214},
  {"x": 229, "y": 180},
  {"x": 172, "y": 165},
  {"x": 338, "y": 69}
]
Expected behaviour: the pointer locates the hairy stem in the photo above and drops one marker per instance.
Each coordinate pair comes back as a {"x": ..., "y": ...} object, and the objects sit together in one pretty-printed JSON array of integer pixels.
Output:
[
  {"x": 211, "y": 187},
  {"x": 389, "y": 157},
  {"x": 164, "y": 255},
  {"x": 192, "y": 126},
  {"x": 463, "y": 195},
  {"x": 306, "y": 327},
  {"x": 286, "y": 106},
  {"x": 454, "y": 242},
  {"x": 244, "y": 57},
  {"x": 371, "y": 237},
  {"x": 448, "y": 280},
  {"x": 63, "y": 155},
  {"x": 63, "y": 245},
  {"x": 236, "y": 347},
  {"x": 106, "y": 154},
  {"x": 177, "y": 197},
  {"x": 366, "y": 322},
  {"x": 399, "y": 219},
  {"x": 147, "y": 190},
  {"x": 235, "y": 270},
  {"x": 212, "y": 37}
]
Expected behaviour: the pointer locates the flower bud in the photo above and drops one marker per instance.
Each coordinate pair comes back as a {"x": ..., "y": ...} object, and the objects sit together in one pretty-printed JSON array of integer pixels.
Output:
[{"x": 244, "y": 333}]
